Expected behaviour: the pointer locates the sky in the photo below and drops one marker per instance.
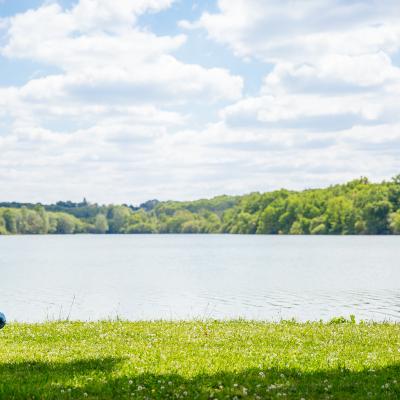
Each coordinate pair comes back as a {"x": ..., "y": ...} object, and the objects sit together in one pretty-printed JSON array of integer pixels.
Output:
[{"x": 129, "y": 100}]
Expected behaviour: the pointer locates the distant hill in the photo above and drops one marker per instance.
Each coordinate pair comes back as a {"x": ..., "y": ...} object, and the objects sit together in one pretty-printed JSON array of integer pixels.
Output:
[{"x": 357, "y": 207}]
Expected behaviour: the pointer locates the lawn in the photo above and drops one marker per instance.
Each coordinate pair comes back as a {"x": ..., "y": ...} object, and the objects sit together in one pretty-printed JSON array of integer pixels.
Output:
[{"x": 200, "y": 360}]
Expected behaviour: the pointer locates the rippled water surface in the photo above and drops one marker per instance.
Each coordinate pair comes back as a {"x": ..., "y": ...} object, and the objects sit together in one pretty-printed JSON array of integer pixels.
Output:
[{"x": 193, "y": 276}]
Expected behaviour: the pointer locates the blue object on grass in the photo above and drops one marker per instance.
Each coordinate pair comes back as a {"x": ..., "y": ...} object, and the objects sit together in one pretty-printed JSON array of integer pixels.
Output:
[{"x": 2, "y": 320}]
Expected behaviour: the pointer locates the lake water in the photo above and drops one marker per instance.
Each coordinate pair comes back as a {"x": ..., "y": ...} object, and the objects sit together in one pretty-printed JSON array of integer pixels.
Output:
[{"x": 91, "y": 277}]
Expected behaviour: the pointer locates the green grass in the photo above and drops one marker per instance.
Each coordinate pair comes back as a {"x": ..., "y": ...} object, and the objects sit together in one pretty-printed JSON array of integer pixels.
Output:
[{"x": 200, "y": 360}]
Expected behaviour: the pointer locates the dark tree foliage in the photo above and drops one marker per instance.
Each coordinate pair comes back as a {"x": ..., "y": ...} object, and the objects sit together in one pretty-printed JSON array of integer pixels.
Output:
[{"x": 357, "y": 207}]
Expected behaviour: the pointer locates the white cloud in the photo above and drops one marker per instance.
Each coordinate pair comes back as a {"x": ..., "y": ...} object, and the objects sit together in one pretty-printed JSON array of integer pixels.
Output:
[
  {"x": 315, "y": 46},
  {"x": 98, "y": 14},
  {"x": 114, "y": 119},
  {"x": 332, "y": 63},
  {"x": 334, "y": 73},
  {"x": 327, "y": 111},
  {"x": 101, "y": 118},
  {"x": 276, "y": 30},
  {"x": 125, "y": 60}
]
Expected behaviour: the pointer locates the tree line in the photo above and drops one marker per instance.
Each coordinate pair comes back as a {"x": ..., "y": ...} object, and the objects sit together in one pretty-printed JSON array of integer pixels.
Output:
[{"x": 357, "y": 207}]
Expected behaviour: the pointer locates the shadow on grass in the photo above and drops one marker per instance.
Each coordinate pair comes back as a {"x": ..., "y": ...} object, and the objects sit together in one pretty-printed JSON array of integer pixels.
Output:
[
  {"x": 37, "y": 380},
  {"x": 103, "y": 379}
]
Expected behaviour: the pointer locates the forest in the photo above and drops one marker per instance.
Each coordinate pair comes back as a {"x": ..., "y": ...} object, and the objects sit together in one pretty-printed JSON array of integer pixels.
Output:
[{"x": 357, "y": 207}]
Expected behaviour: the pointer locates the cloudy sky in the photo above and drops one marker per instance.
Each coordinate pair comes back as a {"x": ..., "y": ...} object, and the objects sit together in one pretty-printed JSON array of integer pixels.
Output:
[{"x": 124, "y": 101}]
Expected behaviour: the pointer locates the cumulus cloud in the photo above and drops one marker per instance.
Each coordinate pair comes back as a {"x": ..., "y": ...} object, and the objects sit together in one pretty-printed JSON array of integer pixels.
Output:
[
  {"x": 114, "y": 119},
  {"x": 273, "y": 30},
  {"x": 327, "y": 110},
  {"x": 98, "y": 47},
  {"x": 114, "y": 90},
  {"x": 333, "y": 68}
]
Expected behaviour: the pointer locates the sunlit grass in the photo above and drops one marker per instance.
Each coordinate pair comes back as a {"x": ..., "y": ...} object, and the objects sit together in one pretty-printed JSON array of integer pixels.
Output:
[{"x": 200, "y": 360}]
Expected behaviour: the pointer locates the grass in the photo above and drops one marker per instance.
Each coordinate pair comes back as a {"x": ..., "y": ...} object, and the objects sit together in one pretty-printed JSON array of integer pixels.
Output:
[{"x": 200, "y": 360}]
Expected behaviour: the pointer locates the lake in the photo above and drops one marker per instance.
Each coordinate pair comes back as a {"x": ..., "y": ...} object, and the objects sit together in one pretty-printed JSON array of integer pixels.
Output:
[{"x": 90, "y": 277}]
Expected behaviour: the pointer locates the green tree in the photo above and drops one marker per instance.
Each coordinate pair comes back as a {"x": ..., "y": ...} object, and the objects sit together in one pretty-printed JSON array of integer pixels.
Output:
[
  {"x": 100, "y": 224},
  {"x": 395, "y": 222},
  {"x": 376, "y": 217},
  {"x": 118, "y": 219},
  {"x": 191, "y": 226},
  {"x": 296, "y": 228},
  {"x": 10, "y": 220},
  {"x": 65, "y": 224},
  {"x": 318, "y": 225},
  {"x": 340, "y": 216},
  {"x": 44, "y": 218},
  {"x": 269, "y": 222},
  {"x": 29, "y": 222},
  {"x": 3, "y": 230},
  {"x": 357, "y": 207},
  {"x": 141, "y": 227}
]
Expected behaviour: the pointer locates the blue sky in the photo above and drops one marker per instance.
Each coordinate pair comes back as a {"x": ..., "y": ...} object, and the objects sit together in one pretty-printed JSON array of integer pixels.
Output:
[
  {"x": 137, "y": 99},
  {"x": 198, "y": 50}
]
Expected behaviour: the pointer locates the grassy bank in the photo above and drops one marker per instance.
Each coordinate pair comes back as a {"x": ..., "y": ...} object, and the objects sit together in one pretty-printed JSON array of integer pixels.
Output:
[{"x": 200, "y": 360}]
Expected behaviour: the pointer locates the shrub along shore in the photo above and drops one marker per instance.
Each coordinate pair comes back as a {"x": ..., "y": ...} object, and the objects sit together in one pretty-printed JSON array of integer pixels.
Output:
[
  {"x": 357, "y": 207},
  {"x": 200, "y": 360}
]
